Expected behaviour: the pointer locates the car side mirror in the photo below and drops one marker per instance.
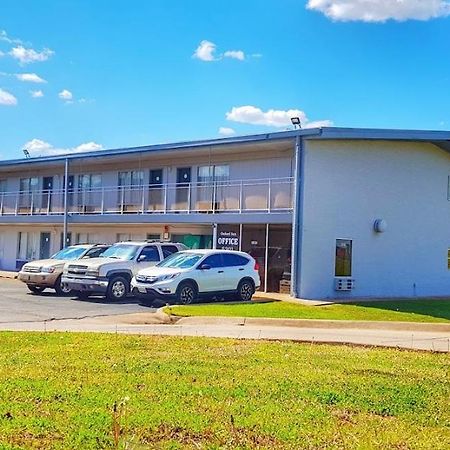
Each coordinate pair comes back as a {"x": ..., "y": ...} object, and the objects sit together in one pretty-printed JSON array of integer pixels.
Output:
[
  {"x": 205, "y": 267},
  {"x": 142, "y": 258}
]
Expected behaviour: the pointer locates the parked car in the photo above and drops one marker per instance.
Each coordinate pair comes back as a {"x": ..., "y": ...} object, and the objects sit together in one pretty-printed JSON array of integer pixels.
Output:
[
  {"x": 191, "y": 274},
  {"x": 111, "y": 273},
  {"x": 47, "y": 273}
]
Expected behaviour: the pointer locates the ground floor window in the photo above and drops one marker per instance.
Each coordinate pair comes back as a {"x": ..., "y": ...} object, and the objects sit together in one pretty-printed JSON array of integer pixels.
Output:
[
  {"x": 343, "y": 260},
  {"x": 193, "y": 240},
  {"x": 27, "y": 246}
]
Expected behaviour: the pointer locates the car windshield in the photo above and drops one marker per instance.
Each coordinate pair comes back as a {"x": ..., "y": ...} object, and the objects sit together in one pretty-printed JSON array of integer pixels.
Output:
[
  {"x": 181, "y": 260},
  {"x": 120, "y": 251},
  {"x": 69, "y": 253}
]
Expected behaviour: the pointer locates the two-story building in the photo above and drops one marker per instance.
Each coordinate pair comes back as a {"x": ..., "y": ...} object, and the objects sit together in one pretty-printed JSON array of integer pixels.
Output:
[{"x": 329, "y": 212}]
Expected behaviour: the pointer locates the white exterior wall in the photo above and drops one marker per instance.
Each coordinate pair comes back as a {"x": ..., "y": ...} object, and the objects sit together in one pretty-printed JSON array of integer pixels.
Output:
[{"x": 350, "y": 184}]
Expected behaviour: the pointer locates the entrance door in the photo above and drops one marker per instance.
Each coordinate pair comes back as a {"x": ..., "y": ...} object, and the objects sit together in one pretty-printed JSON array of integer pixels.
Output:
[
  {"x": 47, "y": 186},
  {"x": 182, "y": 194},
  {"x": 156, "y": 191},
  {"x": 44, "y": 247}
]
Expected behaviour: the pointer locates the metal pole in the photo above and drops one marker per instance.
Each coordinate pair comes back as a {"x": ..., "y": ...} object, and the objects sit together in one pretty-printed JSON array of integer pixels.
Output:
[
  {"x": 266, "y": 258},
  {"x": 297, "y": 218},
  {"x": 66, "y": 188},
  {"x": 214, "y": 230}
]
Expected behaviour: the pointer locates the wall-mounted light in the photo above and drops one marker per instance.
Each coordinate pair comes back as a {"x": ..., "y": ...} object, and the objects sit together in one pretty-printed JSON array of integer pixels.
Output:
[
  {"x": 380, "y": 226},
  {"x": 26, "y": 153},
  {"x": 296, "y": 122}
]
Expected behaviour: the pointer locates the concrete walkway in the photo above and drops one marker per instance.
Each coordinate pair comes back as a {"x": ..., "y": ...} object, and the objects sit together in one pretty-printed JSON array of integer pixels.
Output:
[{"x": 415, "y": 336}]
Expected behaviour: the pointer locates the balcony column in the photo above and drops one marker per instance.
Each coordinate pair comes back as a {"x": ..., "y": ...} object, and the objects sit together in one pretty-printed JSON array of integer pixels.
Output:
[
  {"x": 297, "y": 216},
  {"x": 66, "y": 205}
]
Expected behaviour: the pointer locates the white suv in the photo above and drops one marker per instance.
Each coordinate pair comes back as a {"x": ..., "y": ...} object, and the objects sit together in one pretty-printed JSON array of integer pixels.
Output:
[
  {"x": 190, "y": 274},
  {"x": 111, "y": 274}
]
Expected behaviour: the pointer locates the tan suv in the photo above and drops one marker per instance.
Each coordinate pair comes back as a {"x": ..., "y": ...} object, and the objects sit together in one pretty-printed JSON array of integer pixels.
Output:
[
  {"x": 110, "y": 274},
  {"x": 46, "y": 273}
]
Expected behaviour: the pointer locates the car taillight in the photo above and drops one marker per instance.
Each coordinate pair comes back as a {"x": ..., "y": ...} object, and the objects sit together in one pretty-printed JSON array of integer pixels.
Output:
[{"x": 256, "y": 266}]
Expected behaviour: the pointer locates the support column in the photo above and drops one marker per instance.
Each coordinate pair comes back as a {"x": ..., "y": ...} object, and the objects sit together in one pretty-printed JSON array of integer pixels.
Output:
[
  {"x": 66, "y": 206},
  {"x": 214, "y": 236},
  {"x": 297, "y": 219}
]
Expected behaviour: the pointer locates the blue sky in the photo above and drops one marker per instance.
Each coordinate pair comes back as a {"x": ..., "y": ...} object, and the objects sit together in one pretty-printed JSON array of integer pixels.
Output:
[{"x": 123, "y": 73}]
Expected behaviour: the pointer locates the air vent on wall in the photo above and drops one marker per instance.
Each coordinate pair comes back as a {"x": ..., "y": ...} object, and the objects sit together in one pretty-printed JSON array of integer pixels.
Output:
[{"x": 344, "y": 284}]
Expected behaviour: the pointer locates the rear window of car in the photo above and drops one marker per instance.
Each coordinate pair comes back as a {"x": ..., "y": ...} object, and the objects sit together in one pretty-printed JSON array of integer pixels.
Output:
[
  {"x": 230, "y": 260},
  {"x": 169, "y": 250}
]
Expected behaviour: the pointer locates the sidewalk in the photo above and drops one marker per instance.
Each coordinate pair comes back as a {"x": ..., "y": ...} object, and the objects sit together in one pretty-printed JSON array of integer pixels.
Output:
[{"x": 414, "y": 336}]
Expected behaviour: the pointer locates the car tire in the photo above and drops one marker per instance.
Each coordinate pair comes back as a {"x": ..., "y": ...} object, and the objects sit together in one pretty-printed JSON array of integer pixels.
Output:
[
  {"x": 186, "y": 293},
  {"x": 82, "y": 295},
  {"x": 36, "y": 289},
  {"x": 245, "y": 290},
  {"x": 118, "y": 288},
  {"x": 60, "y": 289}
]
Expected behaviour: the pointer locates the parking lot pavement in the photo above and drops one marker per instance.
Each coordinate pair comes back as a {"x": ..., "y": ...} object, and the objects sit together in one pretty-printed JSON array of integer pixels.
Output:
[{"x": 17, "y": 304}]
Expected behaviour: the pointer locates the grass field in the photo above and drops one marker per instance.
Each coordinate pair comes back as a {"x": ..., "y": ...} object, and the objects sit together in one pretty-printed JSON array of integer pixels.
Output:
[
  {"x": 58, "y": 390},
  {"x": 404, "y": 310}
]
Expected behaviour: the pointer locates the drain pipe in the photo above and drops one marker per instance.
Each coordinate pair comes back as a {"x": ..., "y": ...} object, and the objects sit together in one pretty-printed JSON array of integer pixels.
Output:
[{"x": 66, "y": 186}]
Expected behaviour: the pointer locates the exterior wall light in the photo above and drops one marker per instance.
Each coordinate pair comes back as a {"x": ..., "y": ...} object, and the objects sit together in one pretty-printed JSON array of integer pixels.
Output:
[{"x": 380, "y": 226}]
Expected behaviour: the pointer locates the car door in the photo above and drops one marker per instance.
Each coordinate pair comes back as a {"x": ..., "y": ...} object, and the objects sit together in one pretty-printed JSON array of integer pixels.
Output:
[
  {"x": 148, "y": 257},
  {"x": 211, "y": 279},
  {"x": 234, "y": 270}
]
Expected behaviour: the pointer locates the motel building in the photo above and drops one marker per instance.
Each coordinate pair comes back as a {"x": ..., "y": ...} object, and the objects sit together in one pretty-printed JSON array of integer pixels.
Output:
[{"x": 326, "y": 212}]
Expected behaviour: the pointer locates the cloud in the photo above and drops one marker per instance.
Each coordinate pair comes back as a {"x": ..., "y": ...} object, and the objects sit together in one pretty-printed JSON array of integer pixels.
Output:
[
  {"x": 28, "y": 55},
  {"x": 36, "y": 94},
  {"x": 381, "y": 10},
  {"x": 38, "y": 147},
  {"x": 65, "y": 95},
  {"x": 225, "y": 131},
  {"x": 31, "y": 77},
  {"x": 4, "y": 37},
  {"x": 205, "y": 51},
  {"x": 7, "y": 99},
  {"x": 235, "y": 54},
  {"x": 272, "y": 117},
  {"x": 1, "y": 54}
]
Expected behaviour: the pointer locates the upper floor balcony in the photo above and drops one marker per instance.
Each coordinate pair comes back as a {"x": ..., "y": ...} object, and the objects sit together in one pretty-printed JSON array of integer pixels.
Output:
[{"x": 268, "y": 195}]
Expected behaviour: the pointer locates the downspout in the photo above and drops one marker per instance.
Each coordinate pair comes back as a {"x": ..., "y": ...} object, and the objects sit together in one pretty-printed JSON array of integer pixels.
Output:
[{"x": 66, "y": 186}]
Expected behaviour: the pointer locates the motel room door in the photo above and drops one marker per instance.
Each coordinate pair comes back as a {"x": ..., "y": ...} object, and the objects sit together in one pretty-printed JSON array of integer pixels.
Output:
[
  {"x": 182, "y": 193},
  {"x": 44, "y": 247}
]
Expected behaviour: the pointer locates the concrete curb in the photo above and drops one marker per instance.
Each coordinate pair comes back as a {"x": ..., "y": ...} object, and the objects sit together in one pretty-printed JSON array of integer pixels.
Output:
[
  {"x": 314, "y": 323},
  {"x": 6, "y": 274}
]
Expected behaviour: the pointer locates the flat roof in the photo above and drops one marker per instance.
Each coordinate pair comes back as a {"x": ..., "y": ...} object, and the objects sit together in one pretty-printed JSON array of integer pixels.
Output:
[{"x": 439, "y": 138}]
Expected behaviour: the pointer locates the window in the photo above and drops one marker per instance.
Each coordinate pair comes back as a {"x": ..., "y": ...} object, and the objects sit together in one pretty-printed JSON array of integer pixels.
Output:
[
  {"x": 89, "y": 195},
  {"x": 129, "y": 187},
  {"x": 230, "y": 260},
  {"x": 213, "y": 261},
  {"x": 149, "y": 253},
  {"x": 208, "y": 174},
  {"x": 2, "y": 186},
  {"x": 94, "y": 252},
  {"x": 27, "y": 187},
  {"x": 168, "y": 250},
  {"x": 343, "y": 262},
  {"x": 27, "y": 246}
]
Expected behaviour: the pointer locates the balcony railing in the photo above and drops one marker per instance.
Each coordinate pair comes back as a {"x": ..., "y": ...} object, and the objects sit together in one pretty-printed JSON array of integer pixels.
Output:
[{"x": 243, "y": 196}]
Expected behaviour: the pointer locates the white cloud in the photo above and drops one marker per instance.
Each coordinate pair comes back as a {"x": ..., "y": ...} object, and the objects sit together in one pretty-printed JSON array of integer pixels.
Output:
[
  {"x": 225, "y": 131},
  {"x": 205, "y": 51},
  {"x": 272, "y": 117},
  {"x": 38, "y": 147},
  {"x": 4, "y": 37},
  {"x": 65, "y": 95},
  {"x": 1, "y": 54},
  {"x": 381, "y": 10},
  {"x": 28, "y": 55},
  {"x": 36, "y": 94},
  {"x": 235, "y": 54},
  {"x": 31, "y": 77},
  {"x": 7, "y": 99}
]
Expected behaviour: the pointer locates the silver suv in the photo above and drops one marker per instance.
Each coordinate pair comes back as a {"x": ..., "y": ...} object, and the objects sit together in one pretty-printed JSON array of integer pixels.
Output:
[{"x": 111, "y": 274}]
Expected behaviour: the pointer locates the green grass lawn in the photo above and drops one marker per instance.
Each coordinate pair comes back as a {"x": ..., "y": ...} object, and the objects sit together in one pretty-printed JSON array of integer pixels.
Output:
[
  {"x": 403, "y": 310},
  {"x": 58, "y": 390}
]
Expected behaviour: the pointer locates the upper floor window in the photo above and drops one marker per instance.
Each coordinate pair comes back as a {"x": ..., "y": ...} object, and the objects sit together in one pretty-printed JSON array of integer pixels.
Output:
[
  {"x": 89, "y": 181},
  {"x": 29, "y": 184},
  {"x": 213, "y": 173},
  {"x": 2, "y": 185},
  {"x": 131, "y": 178}
]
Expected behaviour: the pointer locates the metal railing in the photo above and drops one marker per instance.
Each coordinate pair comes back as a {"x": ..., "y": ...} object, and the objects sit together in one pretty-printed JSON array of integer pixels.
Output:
[{"x": 238, "y": 196}]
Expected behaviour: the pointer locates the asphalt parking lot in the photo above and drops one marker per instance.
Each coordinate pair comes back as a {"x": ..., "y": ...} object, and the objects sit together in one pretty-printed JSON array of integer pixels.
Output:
[{"x": 17, "y": 304}]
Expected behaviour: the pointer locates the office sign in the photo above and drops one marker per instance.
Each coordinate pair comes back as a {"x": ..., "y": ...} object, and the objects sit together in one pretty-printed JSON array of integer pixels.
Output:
[{"x": 227, "y": 240}]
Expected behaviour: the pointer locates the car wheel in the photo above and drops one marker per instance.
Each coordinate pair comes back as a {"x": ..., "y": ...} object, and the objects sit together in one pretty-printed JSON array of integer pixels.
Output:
[
  {"x": 62, "y": 288},
  {"x": 118, "y": 288},
  {"x": 245, "y": 290},
  {"x": 36, "y": 289},
  {"x": 186, "y": 293},
  {"x": 82, "y": 295}
]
